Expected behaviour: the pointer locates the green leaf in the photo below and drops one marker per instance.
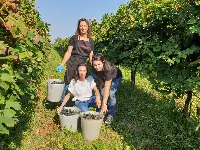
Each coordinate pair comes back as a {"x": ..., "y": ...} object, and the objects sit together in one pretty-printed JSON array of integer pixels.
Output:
[
  {"x": 10, "y": 122},
  {"x": 197, "y": 3},
  {"x": 13, "y": 104},
  {"x": 128, "y": 148},
  {"x": 22, "y": 55},
  {"x": 28, "y": 42},
  {"x": 40, "y": 24},
  {"x": 2, "y": 43},
  {"x": 6, "y": 118},
  {"x": 32, "y": 96},
  {"x": 42, "y": 40},
  {"x": 4, "y": 85},
  {"x": 2, "y": 99},
  {"x": 7, "y": 77},
  {"x": 30, "y": 69},
  {"x": 170, "y": 61},
  {"x": 12, "y": 98},
  {"x": 7, "y": 57},
  {"x": 30, "y": 34},
  {"x": 40, "y": 55},
  {"x": 9, "y": 113},
  {"x": 177, "y": 60},
  {"x": 3, "y": 130}
]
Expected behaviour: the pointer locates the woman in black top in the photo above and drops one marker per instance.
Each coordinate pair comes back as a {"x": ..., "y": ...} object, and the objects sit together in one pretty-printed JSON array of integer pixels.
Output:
[
  {"x": 110, "y": 78},
  {"x": 80, "y": 47}
]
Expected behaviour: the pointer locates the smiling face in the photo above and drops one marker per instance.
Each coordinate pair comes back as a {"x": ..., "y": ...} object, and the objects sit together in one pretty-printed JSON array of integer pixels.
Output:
[
  {"x": 98, "y": 65},
  {"x": 83, "y": 27},
  {"x": 82, "y": 71}
]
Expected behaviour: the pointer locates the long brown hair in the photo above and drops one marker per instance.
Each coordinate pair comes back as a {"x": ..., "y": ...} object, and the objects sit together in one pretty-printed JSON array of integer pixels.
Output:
[
  {"x": 107, "y": 66},
  {"x": 76, "y": 77},
  {"x": 89, "y": 32}
]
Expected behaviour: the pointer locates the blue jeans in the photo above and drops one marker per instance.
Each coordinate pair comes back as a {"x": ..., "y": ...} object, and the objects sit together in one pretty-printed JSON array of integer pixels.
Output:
[
  {"x": 65, "y": 90},
  {"x": 93, "y": 75},
  {"x": 112, "y": 99},
  {"x": 84, "y": 105}
]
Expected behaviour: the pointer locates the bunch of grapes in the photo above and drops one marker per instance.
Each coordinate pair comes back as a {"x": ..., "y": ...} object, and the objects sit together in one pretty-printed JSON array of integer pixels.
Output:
[
  {"x": 92, "y": 116},
  {"x": 68, "y": 112},
  {"x": 57, "y": 82}
]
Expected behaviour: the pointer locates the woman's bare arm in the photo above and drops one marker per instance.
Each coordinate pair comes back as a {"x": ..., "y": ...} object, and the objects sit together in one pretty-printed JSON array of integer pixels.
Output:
[
  {"x": 67, "y": 55},
  {"x": 90, "y": 57},
  {"x": 64, "y": 101},
  {"x": 106, "y": 91},
  {"x": 97, "y": 94}
]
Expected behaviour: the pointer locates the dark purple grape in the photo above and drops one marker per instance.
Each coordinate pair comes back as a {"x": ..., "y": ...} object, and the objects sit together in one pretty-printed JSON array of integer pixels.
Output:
[
  {"x": 68, "y": 112},
  {"x": 57, "y": 82},
  {"x": 91, "y": 116}
]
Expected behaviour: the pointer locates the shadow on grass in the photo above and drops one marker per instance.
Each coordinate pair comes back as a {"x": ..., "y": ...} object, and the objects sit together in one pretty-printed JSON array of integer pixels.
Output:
[
  {"x": 13, "y": 140},
  {"x": 147, "y": 122},
  {"x": 53, "y": 105}
]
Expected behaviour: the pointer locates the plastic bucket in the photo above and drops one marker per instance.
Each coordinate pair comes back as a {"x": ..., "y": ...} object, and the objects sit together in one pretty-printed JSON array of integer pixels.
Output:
[
  {"x": 70, "y": 122},
  {"x": 55, "y": 89},
  {"x": 91, "y": 128}
]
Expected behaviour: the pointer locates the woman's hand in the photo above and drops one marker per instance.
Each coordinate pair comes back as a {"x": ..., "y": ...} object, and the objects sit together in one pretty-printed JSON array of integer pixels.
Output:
[
  {"x": 98, "y": 103},
  {"x": 58, "y": 109},
  {"x": 104, "y": 108},
  {"x": 59, "y": 68},
  {"x": 64, "y": 102}
]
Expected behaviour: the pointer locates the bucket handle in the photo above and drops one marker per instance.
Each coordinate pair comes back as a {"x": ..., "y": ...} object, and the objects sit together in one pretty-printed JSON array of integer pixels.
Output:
[{"x": 50, "y": 84}]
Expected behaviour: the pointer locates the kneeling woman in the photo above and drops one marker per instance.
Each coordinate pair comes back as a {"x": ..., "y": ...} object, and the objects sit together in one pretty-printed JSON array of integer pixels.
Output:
[
  {"x": 110, "y": 78},
  {"x": 81, "y": 88}
]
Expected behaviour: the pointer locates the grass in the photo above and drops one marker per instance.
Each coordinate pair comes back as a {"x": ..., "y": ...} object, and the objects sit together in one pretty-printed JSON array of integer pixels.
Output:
[{"x": 144, "y": 120}]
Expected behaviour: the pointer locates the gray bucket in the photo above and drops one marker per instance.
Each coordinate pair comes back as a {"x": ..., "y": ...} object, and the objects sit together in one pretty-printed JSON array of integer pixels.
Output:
[
  {"x": 91, "y": 128},
  {"x": 70, "y": 122},
  {"x": 55, "y": 90}
]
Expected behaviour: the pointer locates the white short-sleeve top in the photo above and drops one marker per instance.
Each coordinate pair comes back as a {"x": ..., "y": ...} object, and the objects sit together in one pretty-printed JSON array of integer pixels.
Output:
[{"x": 82, "y": 90}]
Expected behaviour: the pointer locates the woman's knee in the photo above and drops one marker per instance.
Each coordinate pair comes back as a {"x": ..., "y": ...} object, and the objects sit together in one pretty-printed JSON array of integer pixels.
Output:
[
  {"x": 112, "y": 101},
  {"x": 82, "y": 107}
]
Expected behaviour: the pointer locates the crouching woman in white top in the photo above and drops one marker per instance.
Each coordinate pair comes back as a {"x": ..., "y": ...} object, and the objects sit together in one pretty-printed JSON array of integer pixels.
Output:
[{"x": 81, "y": 88}]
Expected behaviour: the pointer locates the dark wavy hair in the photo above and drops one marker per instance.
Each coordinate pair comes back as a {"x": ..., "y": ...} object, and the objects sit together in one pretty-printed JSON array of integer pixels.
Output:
[
  {"x": 107, "y": 66},
  {"x": 76, "y": 77},
  {"x": 89, "y": 32}
]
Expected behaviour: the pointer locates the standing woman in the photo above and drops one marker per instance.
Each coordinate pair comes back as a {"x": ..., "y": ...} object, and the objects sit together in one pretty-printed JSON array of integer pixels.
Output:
[
  {"x": 110, "y": 78},
  {"x": 80, "y": 48}
]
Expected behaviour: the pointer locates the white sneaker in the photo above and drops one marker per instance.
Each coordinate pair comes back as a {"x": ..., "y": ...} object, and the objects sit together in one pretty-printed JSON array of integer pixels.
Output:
[{"x": 109, "y": 120}]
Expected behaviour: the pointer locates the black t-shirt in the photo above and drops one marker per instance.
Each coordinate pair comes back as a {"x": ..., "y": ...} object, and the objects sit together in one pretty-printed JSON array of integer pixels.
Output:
[
  {"x": 80, "y": 47},
  {"x": 108, "y": 75}
]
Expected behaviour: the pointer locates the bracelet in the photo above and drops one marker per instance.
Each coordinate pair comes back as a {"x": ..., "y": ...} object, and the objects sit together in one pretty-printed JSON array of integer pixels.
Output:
[{"x": 104, "y": 103}]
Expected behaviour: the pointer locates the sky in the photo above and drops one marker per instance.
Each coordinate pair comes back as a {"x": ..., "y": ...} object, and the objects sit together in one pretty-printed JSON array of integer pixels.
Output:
[{"x": 63, "y": 15}]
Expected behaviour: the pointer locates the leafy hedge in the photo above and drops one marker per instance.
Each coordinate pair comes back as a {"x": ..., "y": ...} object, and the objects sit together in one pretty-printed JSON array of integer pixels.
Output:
[
  {"x": 60, "y": 45},
  {"x": 24, "y": 46},
  {"x": 160, "y": 36}
]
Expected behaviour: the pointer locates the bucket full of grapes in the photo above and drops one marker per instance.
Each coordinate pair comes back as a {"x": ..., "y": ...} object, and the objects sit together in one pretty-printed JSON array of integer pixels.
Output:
[
  {"x": 55, "y": 89},
  {"x": 91, "y": 122},
  {"x": 69, "y": 117}
]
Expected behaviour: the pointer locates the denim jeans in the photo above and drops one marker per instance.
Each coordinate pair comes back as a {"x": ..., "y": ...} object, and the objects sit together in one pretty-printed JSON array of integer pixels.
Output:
[
  {"x": 112, "y": 99},
  {"x": 93, "y": 75},
  {"x": 84, "y": 105},
  {"x": 65, "y": 90}
]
